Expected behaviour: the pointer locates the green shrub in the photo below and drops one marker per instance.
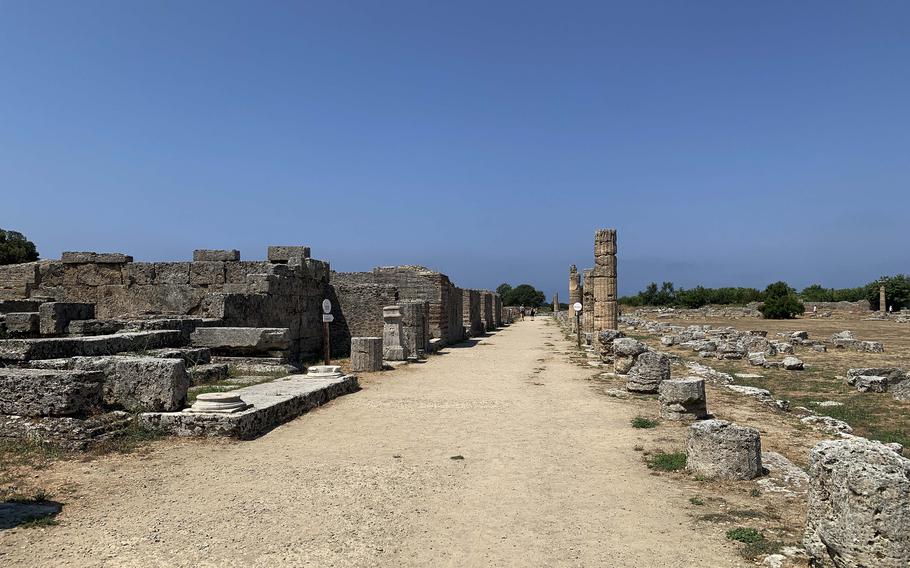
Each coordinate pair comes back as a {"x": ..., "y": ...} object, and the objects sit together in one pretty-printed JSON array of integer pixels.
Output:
[
  {"x": 642, "y": 422},
  {"x": 15, "y": 248},
  {"x": 748, "y": 536}
]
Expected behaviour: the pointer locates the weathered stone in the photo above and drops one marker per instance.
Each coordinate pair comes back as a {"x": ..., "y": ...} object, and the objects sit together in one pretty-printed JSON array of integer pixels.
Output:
[
  {"x": 628, "y": 347},
  {"x": 324, "y": 371},
  {"x": 191, "y": 355},
  {"x": 682, "y": 399},
  {"x": 606, "y": 310},
  {"x": 71, "y": 257},
  {"x": 649, "y": 370},
  {"x": 134, "y": 383},
  {"x": 56, "y": 316},
  {"x": 867, "y": 383},
  {"x": 800, "y": 335},
  {"x": 95, "y": 327},
  {"x": 44, "y": 392},
  {"x": 206, "y": 373},
  {"x": 284, "y": 254},
  {"x": 792, "y": 364},
  {"x": 859, "y": 505},
  {"x": 366, "y": 354},
  {"x": 393, "y": 347},
  {"x": 23, "y": 323},
  {"x": 211, "y": 255},
  {"x": 55, "y": 347},
  {"x": 717, "y": 448},
  {"x": 622, "y": 365},
  {"x": 218, "y": 403},
  {"x": 13, "y": 306},
  {"x": 893, "y": 374},
  {"x": 828, "y": 424},
  {"x": 67, "y": 432},
  {"x": 241, "y": 340}
]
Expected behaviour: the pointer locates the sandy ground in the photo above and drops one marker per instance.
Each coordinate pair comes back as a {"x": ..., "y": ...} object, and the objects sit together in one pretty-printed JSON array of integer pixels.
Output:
[{"x": 549, "y": 477}]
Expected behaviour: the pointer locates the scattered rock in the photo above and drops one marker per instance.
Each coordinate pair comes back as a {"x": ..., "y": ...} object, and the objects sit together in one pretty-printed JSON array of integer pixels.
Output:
[
  {"x": 792, "y": 364},
  {"x": 683, "y": 399},
  {"x": 717, "y": 448},
  {"x": 828, "y": 424},
  {"x": 649, "y": 370}
]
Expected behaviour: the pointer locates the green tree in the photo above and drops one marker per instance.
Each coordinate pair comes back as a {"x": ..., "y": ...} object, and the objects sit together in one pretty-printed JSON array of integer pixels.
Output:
[
  {"x": 897, "y": 291},
  {"x": 15, "y": 248},
  {"x": 781, "y": 302},
  {"x": 504, "y": 290},
  {"x": 527, "y": 296}
]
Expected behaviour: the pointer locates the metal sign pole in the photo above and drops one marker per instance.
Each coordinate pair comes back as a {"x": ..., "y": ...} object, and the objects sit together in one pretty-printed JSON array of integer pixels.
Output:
[
  {"x": 577, "y": 328},
  {"x": 326, "y": 318}
]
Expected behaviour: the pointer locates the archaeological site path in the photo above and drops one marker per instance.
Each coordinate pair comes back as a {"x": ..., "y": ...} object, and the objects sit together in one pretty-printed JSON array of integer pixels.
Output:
[{"x": 500, "y": 454}]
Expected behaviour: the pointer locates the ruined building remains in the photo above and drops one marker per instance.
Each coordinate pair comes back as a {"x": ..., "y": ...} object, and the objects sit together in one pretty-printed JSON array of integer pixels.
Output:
[
  {"x": 574, "y": 294},
  {"x": 606, "y": 311}
]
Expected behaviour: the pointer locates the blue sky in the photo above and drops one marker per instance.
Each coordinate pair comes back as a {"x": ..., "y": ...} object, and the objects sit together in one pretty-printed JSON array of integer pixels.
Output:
[{"x": 729, "y": 143}]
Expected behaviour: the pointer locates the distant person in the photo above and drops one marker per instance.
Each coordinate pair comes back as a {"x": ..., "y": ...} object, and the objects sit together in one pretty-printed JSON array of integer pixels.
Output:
[
  {"x": 521, "y": 311},
  {"x": 891, "y": 309},
  {"x": 533, "y": 311}
]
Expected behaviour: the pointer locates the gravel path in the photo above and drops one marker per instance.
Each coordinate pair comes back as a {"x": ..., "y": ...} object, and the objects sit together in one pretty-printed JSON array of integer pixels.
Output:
[{"x": 474, "y": 458}]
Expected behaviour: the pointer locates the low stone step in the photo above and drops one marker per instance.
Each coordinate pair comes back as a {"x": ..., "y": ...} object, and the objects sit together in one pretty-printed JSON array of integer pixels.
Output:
[
  {"x": 273, "y": 403},
  {"x": 15, "y": 350}
]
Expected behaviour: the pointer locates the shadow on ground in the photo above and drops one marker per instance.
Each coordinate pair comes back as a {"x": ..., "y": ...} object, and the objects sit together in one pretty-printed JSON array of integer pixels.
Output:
[{"x": 17, "y": 513}]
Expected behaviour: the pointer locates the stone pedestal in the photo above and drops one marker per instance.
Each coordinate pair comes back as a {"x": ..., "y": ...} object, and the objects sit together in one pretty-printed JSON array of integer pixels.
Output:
[
  {"x": 393, "y": 348},
  {"x": 682, "y": 399},
  {"x": 324, "y": 372},
  {"x": 720, "y": 449},
  {"x": 366, "y": 354},
  {"x": 218, "y": 403}
]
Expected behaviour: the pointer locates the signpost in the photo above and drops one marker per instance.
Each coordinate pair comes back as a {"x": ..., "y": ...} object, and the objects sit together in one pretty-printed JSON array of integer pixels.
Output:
[
  {"x": 577, "y": 307},
  {"x": 327, "y": 317}
]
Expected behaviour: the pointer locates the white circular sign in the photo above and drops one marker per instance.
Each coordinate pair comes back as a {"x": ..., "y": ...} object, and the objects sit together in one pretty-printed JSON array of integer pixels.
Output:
[
  {"x": 576, "y": 306},
  {"x": 326, "y": 306}
]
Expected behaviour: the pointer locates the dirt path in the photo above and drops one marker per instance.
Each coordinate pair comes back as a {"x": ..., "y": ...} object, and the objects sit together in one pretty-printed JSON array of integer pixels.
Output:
[{"x": 548, "y": 477}]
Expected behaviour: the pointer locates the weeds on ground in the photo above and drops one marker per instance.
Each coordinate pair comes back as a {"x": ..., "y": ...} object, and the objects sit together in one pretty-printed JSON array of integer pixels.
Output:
[
  {"x": 642, "y": 422},
  {"x": 663, "y": 461},
  {"x": 746, "y": 535},
  {"x": 696, "y": 501}
]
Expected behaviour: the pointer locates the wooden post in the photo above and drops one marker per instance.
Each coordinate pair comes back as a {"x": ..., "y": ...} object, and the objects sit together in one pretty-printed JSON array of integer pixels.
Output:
[
  {"x": 578, "y": 327},
  {"x": 325, "y": 341}
]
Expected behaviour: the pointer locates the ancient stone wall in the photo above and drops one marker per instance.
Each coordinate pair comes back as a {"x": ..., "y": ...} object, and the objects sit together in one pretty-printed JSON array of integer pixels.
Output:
[
  {"x": 486, "y": 310},
  {"x": 470, "y": 312},
  {"x": 357, "y": 306},
  {"x": 284, "y": 293}
]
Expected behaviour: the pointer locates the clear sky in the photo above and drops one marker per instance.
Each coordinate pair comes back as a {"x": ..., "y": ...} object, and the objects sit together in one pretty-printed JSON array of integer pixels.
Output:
[{"x": 730, "y": 143}]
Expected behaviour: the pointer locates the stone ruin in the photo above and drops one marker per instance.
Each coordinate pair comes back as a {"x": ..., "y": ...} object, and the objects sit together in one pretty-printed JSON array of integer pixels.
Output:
[
  {"x": 720, "y": 449},
  {"x": 575, "y": 294},
  {"x": 92, "y": 340},
  {"x": 598, "y": 293}
]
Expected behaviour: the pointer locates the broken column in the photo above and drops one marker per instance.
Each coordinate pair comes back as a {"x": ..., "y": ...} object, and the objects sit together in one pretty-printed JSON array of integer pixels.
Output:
[
  {"x": 682, "y": 399},
  {"x": 721, "y": 449},
  {"x": 882, "y": 300},
  {"x": 648, "y": 372},
  {"x": 574, "y": 294},
  {"x": 859, "y": 496},
  {"x": 587, "y": 301},
  {"x": 415, "y": 327},
  {"x": 366, "y": 354},
  {"x": 606, "y": 313},
  {"x": 555, "y": 303},
  {"x": 393, "y": 348}
]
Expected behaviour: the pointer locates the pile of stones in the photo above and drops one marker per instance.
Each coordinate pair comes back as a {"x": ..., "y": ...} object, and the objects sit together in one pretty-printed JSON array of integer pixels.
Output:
[
  {"x": 846, "y": 340},
  {"x": 882, "y": 379}
]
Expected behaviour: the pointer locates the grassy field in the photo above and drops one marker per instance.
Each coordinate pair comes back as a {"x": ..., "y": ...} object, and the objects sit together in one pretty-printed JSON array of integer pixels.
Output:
[{"x": 874, "y": 415}]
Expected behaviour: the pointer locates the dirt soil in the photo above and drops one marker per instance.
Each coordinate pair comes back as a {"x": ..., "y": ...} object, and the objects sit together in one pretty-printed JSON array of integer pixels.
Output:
[{"x": 504, "y": 453}]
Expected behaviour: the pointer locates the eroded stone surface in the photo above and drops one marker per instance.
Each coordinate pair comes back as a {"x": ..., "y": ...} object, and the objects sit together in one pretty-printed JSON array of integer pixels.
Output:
[
  {"x": 648, "y": 371},
  {"x": 47, "y": 392},
  {"x": 717, "y": 448}
]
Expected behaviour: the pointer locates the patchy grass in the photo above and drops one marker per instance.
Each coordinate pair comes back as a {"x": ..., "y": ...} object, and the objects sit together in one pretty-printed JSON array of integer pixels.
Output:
[
  {"x": 663, "y": 461},
  {"x": 40, "y": 523},
  {"x": 746, "y": 535},
  {"x": 134, "y": 437},
  {"x": 696, "y": 501},
  {"x": 642, "y": 422}
]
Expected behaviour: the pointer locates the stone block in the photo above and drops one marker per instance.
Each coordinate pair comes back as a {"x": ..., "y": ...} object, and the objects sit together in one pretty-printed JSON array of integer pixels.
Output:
[
  {"x": 207, "y": 373},
  {"x": 172, "y": 272},
  {"x": 240, "y": 340},
  {"x": 17, "y": 350},
  {"x": 139, "y": 384},
  {"x": 139, "y": 274},
  {"x": 211, "y": 255},
  {"x": 859, "y": 505},
  {"x": 284, "y": 254},
  {"x": 648, "y": 371},
  {"x": 866, "y": 383},
  {"x": 683, "y": 399},
  {"x": 14, "y": 306},
  {"x": 792, "y": 364},
  {"x": 207, "y": 273},
  {"x": 628, "y": 347},
  {"x": 720, "y": 449},
  {"x": 191, "y": 355},
  {"x": 68, "y": 432},
  {"x": 71, "y": 257},
  {"x": 56, "y": 316},
  {"x": 23, "y": 323},
  {"x": 366, "y": 354},
  {"x": 95, "y": 327},
  {"x": 44, "y": 392}
]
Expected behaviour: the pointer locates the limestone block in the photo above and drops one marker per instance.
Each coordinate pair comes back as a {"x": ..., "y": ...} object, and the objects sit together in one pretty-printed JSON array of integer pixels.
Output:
[
  {"x": 43, "y": 392},
  {"x": 717, "y": 448},
  {"x": 23, "y": 323},
  {"x": 628, "y": 347},
  {"x": 284, "y": 254},
  {"x": 191, "y": 355},
  {"x": 54, "y": 347},
  {"x": 622, "y": 365},
  {"x": 139, "y": 273},
  {"x": 893, "y": 374},
  {"x": 242, "y": 339},
  {"x": 792, "y": 364},
  {"x": 859, "y": 498},
  {"x": 683, "y": 399},
  {"x": 56, "y": 316},
  {"x": 207, "y": 273},
  {"x": 649, "y": 370},
  {"x": 148, "y": 384},
  {"x": 71, "y": 257},
  {"x": 172, "y": 272},
  {"x": 95, "y": 327},
  {"x": 13, "y": 306},
  {"x": 366, "y": 354},
  {"x": 206, "y": 373},
  {"x": 212, "y": 255}
]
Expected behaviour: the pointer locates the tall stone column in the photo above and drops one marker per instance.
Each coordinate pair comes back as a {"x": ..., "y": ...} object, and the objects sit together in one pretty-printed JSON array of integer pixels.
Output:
[
  {"x": 587, "y": 301},
  {"x": 882, "y": 303},
  {"x": 555, "y": 303},
  {"x": 606, "y": 312},
  {"x": 574, "y": 294}
]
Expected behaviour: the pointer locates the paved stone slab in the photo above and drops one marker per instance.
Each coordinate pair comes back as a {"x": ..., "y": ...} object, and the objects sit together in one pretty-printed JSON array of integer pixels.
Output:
[
  {"x": 71, "y": 257},
  {"x": 272, "y": 403},
  {"x": 242, "y": 339}
]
